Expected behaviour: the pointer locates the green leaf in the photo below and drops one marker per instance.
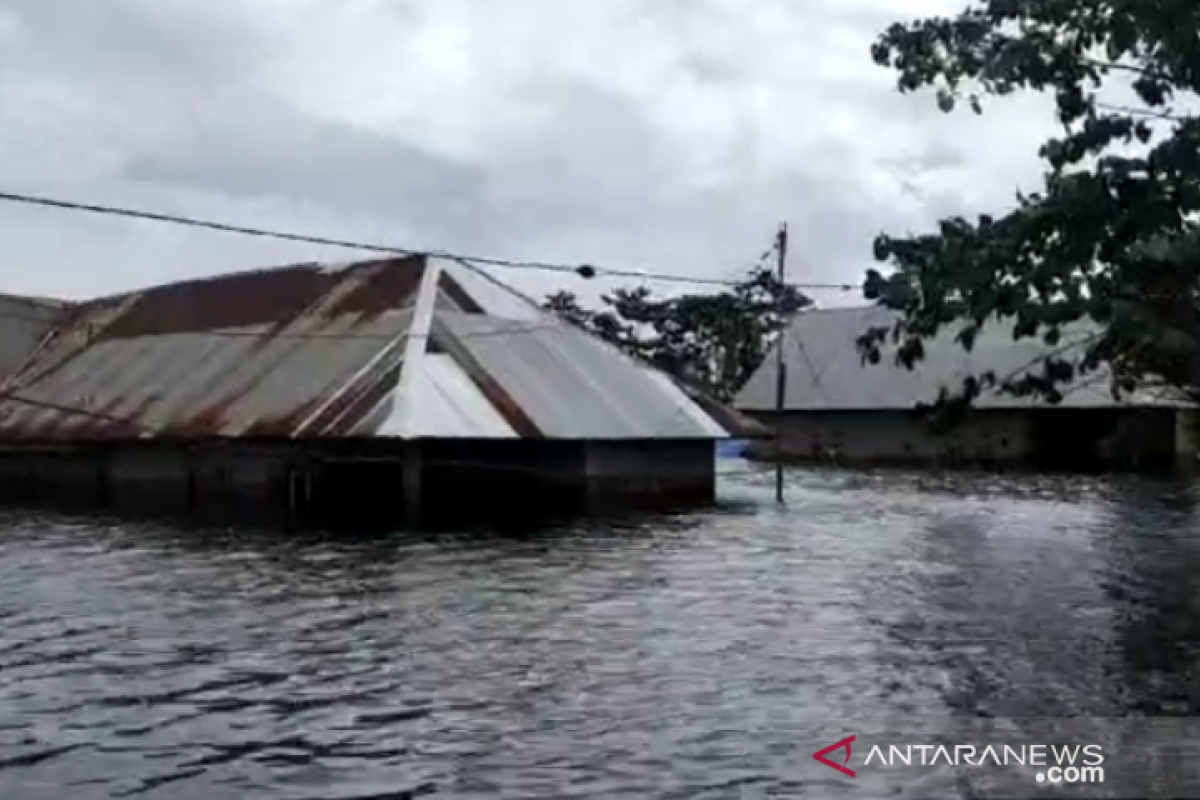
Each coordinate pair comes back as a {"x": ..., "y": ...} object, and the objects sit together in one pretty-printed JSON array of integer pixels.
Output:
[
  {"x": 945, "y": 101},
  {"x": 1109, "y": 238}
]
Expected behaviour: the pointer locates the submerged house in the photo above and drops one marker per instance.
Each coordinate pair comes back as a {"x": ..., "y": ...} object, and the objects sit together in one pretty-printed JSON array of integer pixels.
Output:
[
  {"x": 839, "y": 409},
  {"x": 400, "y": 390}
]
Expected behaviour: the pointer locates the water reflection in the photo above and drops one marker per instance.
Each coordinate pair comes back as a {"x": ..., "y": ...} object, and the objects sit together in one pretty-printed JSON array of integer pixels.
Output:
[
  {"x": 671, "y": 657},
  {"x": 1152, "y": 580}
]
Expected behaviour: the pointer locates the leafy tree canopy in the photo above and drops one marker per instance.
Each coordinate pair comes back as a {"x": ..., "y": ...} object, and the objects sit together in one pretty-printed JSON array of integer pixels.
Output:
[
  {"x": 711, "y": 341},
  {"x": 1110, "y": 238}
]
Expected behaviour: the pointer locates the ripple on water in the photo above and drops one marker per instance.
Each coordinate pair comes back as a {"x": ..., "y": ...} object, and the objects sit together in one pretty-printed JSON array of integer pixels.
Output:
[{"x": 666, "y": 658}]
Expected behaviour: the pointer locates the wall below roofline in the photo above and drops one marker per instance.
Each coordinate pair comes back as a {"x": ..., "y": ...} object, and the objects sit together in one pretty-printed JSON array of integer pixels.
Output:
[
  {"x": 1083, "y": 440},
  {"x": 359, "y": 484}
]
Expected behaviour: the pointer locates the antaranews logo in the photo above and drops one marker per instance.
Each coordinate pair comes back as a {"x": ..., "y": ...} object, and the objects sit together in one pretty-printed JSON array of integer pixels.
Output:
[
  {"x": 844, "y": 744},
  {"x": 1054, "y": 763}
]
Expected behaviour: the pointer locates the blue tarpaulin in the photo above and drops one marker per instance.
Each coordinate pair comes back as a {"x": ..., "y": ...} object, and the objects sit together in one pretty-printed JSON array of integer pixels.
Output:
[{"x": 732, "y": 448}]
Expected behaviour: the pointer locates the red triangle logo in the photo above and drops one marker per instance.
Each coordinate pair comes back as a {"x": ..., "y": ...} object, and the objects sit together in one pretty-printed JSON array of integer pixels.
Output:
[{"x": 844, "y": 744}]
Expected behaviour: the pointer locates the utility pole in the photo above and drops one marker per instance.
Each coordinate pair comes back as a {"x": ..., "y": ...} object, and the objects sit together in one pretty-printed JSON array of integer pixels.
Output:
[{"x": 781, "y": 242}]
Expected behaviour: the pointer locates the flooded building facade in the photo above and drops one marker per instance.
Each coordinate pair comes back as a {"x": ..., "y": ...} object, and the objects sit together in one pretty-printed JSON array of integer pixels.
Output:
[
  {"x": 839, "y": 409},
  {"x": 380, "y": 392}
]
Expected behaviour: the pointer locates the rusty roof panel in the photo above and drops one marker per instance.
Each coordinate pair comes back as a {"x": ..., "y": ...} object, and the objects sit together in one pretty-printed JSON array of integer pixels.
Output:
[
  {"x": 250, "y": 352},
  {"x": 205, "y": 361},
  {"x": 74, "y": 334},
  {"x": 366, "y": 408},
  {"x": 312, "y": 351},
  {"x": 368, "y": 390},
  {"x": 220, "y": 383},
  {"x": 250, "y": 298},
  {"x": 263, "y": 297},
  {"x": 380, "y": 285},
  {"x": 320, "y": 368},
  {"x": 98, "y": 380},
  {"x": 115, "y": 376},
  {"x": 24, "y": 325}
]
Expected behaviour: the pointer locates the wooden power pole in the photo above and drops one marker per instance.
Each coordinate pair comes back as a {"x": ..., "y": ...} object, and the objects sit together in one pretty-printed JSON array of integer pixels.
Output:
[{"x": 781, "y": 242}]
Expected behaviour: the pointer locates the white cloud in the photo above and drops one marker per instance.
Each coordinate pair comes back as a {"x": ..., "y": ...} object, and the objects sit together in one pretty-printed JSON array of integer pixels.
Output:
[{"x": 663, "y": 135}]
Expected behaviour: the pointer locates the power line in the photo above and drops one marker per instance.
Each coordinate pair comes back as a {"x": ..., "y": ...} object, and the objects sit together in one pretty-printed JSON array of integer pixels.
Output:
[
  {"x": 234, "y": 333},
  {"x": 579, "y": 270},
  {"x": 13, "y": 392}
]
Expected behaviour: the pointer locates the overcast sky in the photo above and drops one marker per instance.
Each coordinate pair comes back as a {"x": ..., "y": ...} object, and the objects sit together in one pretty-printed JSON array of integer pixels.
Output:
[{"x": 651, "y": 134}]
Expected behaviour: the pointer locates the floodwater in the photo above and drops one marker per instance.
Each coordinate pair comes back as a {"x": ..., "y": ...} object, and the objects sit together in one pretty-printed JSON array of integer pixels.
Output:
[{"x": 671, "y": 658}]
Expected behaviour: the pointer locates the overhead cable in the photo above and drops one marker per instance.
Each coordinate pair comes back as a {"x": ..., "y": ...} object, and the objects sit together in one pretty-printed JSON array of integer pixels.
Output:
[{"x": 583, "y": 270}]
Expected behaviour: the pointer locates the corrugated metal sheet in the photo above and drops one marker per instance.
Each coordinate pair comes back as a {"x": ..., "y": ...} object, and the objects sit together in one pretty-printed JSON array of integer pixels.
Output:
[
  {"x": 218, "y": 383},
  {"x": 249, "y": 353},
  {"x": 826, "y": 373},
  {"x": 474, "y": 291},
  {"x": 570, "y": 385},
  {"x": 446, "y": 404},
  {"x": 411, "y": 348},
  {"x": 687, "y": 407},
  {"x": 718, "y": 415},
  {"x": 25, "y": 323}
]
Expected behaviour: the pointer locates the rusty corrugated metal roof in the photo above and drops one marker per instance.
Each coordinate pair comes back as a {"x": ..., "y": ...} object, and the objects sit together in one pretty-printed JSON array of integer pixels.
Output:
[
  {"x": 25, "y": 322},
  {"x": 250, "y": 353},
  {"x": 410, "y": 348}
]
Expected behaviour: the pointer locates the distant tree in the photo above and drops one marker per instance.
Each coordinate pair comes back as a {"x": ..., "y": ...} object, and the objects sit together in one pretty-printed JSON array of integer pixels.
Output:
[
  {"x": 712, "y": 341},
  {"x": 1110, "y": 237},
  {"x": 566, "y": 305}
]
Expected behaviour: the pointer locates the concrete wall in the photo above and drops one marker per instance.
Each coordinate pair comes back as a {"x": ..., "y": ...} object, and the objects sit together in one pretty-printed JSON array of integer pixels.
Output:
[
  {"x": 145, "y": 478},
  {"x": 1187, "y": 438},
  {"x": 1143, "y": 438},
  {"x": 359, "y": 483},
  {"x": 654, "y": 473},
  {"x": 518, "y": 478},
  {"x": 56, "y": 477},
  {"x": 1051, "y": 438},
  {"x": 895, "y": 437}
]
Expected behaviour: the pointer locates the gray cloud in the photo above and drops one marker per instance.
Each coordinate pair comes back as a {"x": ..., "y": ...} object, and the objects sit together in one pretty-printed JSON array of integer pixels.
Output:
[
  {"x": 659, "y": 135},
  {"x": 130, "y": 40},
  {"x": 251, "y": 148}
]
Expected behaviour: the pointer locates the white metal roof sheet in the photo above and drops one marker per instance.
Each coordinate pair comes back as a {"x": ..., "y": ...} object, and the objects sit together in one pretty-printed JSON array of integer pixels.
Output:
[
  {"x": 826, "y": 373},
  {"x": 686, "y": 407},
  {"x": 496, "y": 299},
  {"x": 445, "y": 403},
  {"x": 573, "y": 386}
]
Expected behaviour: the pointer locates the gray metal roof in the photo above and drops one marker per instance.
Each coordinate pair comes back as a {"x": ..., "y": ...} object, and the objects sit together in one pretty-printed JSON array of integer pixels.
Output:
[
  {"x": 25, "y": 323},
  {"x": 308, "y": 351},
  {"x": 234, "y": 378},
  {"x": 447, "y": 404},
  {"x": 257, "y": 352},
  {"x": 571, "y": 385},
  {"x": 826, "y": 373}
]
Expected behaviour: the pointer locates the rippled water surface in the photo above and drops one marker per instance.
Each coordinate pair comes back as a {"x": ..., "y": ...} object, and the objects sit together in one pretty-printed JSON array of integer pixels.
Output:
[{"x": 676, "y": 658}]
